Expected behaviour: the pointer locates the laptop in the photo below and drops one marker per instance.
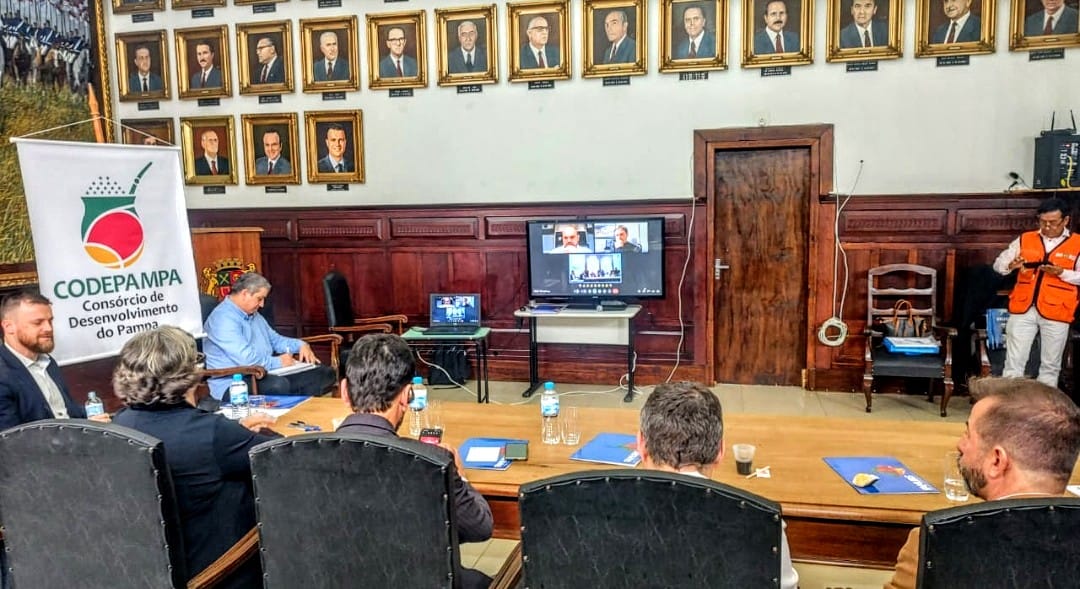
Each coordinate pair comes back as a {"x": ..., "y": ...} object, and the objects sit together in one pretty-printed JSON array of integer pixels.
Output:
[{"x": 454, "y": 314}]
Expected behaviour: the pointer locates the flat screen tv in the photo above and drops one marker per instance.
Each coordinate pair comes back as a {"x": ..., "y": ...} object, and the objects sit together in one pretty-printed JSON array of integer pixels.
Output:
[{"x": 618, "y": 258}]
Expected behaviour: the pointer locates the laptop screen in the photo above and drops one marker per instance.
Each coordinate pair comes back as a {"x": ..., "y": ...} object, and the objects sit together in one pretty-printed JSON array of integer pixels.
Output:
[{"x": 455, "y": 309}]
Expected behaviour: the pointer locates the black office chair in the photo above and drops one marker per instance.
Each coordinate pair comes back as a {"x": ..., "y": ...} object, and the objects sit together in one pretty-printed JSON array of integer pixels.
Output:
[
  {"x": 342, "y": 320},
  {"x": 92, "y": 505},
  {"x": 1008, "y": 544},
  {"x": 348, "y": 510},
  {"x": 632, "y": 528}
]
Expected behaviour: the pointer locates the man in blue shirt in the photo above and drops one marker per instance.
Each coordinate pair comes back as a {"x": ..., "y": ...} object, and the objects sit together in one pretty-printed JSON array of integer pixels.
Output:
[{"x": 238, "y": 335}]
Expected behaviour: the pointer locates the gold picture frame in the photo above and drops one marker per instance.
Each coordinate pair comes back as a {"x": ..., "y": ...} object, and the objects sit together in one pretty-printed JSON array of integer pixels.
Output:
[
  {"x": 189, "y": 4},
  {"x": 243, "y": 2},
  {"x": 759, "y": 45},
  {"x": 334, "y": 130},
  {"x": 270, "y": 41},
  {"x": 865, "y": 30},
  {"x": 404, "y": 31},
  {"x": 202, "y": 167},
  {"x": 147, "y": 132},
  {"x": 261, "y": 164},
  {"x": 606, "y": 41},
  {"x": 336, "y": 39},
  {"x": 705, "y": 22},
  {"x": 542, "y": 27},
  {"x": 1028, "y": 26},
  {"x": 467, "y": 39},
  {"x": 975, "y": 35},
  {"x": 126, "y": 6},
  {"x": 134, "y": 51},
  {"x": 197, "y": 48}
]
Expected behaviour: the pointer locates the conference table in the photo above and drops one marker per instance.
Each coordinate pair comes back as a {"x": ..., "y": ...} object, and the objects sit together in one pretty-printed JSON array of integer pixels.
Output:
[{"x": 828, "y": 520}]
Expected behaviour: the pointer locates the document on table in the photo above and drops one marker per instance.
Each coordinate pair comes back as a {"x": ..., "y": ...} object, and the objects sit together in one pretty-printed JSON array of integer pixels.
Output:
[{"x": 293, "y": 368}]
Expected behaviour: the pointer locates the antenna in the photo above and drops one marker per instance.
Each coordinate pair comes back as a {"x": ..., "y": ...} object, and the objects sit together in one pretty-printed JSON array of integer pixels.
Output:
[
  {"x": 1052, "y": 115},
  {"x": 1073, "y": 116}
]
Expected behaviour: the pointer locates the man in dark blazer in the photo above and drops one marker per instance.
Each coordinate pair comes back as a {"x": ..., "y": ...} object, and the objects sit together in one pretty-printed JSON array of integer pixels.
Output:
[
  {"x": 207, "y": 76},
  {"x": 211, "y": 163},
  {"x": 469, "y": 57},
  {"x": 622, "y": 47},
  {"x": 331, "y": 68},
  {"x": 273, "y": 163},
  {"x": 699, "y": 42},
  {"x": 31, "y": 386},
  {"x": 378, "y": 389},
  {"x": 1055, "y": 19},
  {"x": 271, "y": 68},
  {"x": 335, "y": 162},
  {"x": 536, "y": 54},
  {"x": 765, "y": 40},
  {"x": 142, "y": 80},
  {"x": 397, "y": 64},
  {"x": 864, "y": 30},
  {"x": 962, "y": 26}
]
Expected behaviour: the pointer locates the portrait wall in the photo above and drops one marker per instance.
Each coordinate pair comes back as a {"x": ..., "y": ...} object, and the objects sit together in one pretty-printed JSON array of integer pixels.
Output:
[
  {"x": 613, "y": 38},
  {"x": 142, "y": 70},
  {"x": 271, "y": 148},
  {"x": 865, "y": 30},
  {"x": 397, "y": 50},
  {"x": 147, "y": 131},
  {"x": 1044, "y": 24},
  {"x": 208, "y": 145},
  {"x": 265, "y": 57},
  {"x": 954, "y": 27},
  {"x": 468, "y": 45},
  {"x": 335, "y": 146},
  {"x": 202, "y": 62},
  {"x": 329, "y": 54},
  {"x": 539, "y": 41},
  {"x": 777, "y": 32},
  {"x": 693, "y": 35}
]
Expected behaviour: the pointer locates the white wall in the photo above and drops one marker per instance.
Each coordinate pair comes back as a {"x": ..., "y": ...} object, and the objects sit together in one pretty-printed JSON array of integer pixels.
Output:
[{"x": 919, "y": 128}]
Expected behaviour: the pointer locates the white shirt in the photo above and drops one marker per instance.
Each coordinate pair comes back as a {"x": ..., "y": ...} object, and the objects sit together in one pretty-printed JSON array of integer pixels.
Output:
[
  {"x": 1001, "y": 264},
  {"x": 863, "y": 31},
  {"x": 468, "y": 56},
  {"x": 960, "y": 22},
  {"x": 539, "y": 54},
  {"x": 772, "y": 37},
  {"x": 45, "y": 383},
  {"x": 696, "y": 42},
  {"x": 1052, "y": 18}
]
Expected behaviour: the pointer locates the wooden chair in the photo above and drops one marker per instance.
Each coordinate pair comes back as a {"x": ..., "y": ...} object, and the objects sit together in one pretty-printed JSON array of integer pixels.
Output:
[
  {"x": 92, "y": 505},
  {"x": 917, "y": 284}
]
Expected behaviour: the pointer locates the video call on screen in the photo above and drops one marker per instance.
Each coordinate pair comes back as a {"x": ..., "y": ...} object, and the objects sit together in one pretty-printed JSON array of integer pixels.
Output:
[{"x": 455, "y": 309}]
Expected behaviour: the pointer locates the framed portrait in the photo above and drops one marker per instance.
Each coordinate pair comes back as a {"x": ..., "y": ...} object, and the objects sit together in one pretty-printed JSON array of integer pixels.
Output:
[
  {"x": 265, "y": 57},
  {"x": 142, "y": 71},
  {"x": 329, "y": 53},
  {"x": 271, "y": 145},
  {"x": 539, "y": 41},
  {"x": 613, "y": 38},
  {"x": 865, "y": 30},
  {"x": 188, "y": 4},
  {"x": 693, "y": 35},
  {"x": 123, "y": 6},
  {"x": 954, "y": 27},
  {"x": 209, "y": 150},
  {"x": 335, "y": 146},
  {"x": 397, "y": 50},
  {"x": 147, "y": 131},
  {"x": 468, "y": 45},
  {"x": 777, "y": 32},
  {"x": 202, "y": 62},
  {"x": 1044, "y": 24}
]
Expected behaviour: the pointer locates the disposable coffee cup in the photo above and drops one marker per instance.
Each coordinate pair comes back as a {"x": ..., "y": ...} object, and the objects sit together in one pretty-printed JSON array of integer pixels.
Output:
[{"x": 744, "y": 458}]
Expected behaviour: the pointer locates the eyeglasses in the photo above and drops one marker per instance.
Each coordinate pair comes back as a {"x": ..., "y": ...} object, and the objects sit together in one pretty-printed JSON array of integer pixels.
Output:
[
  {"x": 538, "y": 28},
  {"x": 397, "y": 40},
  {"x": 1051, "y": 222}
]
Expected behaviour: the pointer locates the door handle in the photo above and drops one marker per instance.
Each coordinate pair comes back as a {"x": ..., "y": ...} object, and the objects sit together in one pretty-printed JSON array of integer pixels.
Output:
[{"x": 719, "y": 265}]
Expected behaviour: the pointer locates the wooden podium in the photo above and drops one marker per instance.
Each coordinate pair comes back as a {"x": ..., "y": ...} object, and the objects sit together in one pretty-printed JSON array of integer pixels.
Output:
[{"x": 222, "y": 254}]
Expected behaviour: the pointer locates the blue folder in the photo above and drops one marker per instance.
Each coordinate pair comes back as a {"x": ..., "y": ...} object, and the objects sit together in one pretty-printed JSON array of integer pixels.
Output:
[{"x": 501, "y": 464}]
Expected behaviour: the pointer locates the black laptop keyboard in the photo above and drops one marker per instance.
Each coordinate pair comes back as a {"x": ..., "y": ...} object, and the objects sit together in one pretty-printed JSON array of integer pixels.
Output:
[{"x": 451, "y": 330}]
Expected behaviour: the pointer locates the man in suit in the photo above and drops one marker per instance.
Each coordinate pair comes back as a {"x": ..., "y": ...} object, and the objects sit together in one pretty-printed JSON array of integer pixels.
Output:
[
  {"x": 211, "y": 163},
  {"x": 336, "y": 141},
  {"x": 622, "y": 48},
  {"x": 536, "y": 54},
  {"x": 272, "y": 163},
  {"x": 397, "y": 64},
  {"x": 377, "y": 388},
  {"x": 1054, "y": 19},
  {"x": 470, "y": 56},
  {"x": 272, "y": 69},
  {"x": 962, "y": 26},
  {"x": 864, "y": 30},
  {"x": 207, "y": 76},
  {"x": 31, "y": 386},
  {"x": 142, "y": 80},
  {"x": 331, "y": 68},
  {"x": 773, "y": 38},
  {"x": 699, "y": 42}
]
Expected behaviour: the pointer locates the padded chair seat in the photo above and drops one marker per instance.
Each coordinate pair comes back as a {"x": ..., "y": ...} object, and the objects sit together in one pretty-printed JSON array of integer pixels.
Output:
[{"x": 887, "y": 363}]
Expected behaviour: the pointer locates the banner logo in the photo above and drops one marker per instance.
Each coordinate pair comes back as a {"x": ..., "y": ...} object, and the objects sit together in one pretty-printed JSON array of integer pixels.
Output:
[{"x": 112, "y": 233}]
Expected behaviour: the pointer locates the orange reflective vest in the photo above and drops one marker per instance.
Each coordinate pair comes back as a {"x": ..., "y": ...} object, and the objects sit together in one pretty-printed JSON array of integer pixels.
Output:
[{"x": 1054, "y": 298}]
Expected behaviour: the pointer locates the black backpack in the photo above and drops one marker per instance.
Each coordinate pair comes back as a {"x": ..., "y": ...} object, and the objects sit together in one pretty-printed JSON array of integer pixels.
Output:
[{"x": 454, "y": 361}]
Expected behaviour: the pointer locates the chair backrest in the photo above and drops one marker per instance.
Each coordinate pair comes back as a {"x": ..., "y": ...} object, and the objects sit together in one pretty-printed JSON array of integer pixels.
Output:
[
  {"x": 339, "y": 311},
  {"x": 350, "y": 510},
  {"x": 1014, "y": 543},
  {"x": 88, "y": 505},
  {"x": 889, "y": 283},
  {"x": 632, "y": 528}
]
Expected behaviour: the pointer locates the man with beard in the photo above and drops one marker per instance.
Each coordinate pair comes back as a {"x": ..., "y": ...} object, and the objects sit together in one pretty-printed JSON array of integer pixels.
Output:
[
  {"x": 1022, "y": 440},
  {"x": 377, "y": 388},
  {"x": 31, "y": 386}
]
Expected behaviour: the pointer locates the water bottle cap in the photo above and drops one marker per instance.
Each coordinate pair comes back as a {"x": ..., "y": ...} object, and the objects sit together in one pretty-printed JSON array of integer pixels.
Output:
[
  {"x": 549, "y": 385},
  {"x": 417, "y": 380},
  {"x": 238, "y": 377}
]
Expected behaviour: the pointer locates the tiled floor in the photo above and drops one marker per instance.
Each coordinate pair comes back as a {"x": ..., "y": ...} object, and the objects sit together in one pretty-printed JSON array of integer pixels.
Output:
[{"x": 767, "y": 400}]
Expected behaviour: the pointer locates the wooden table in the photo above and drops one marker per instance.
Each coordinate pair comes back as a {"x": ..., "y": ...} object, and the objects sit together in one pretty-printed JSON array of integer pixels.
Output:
[{"x": 828, "y": 521}]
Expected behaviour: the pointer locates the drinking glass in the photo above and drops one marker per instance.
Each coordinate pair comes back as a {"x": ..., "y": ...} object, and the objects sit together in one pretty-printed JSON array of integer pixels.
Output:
[{"x": 955, "y": 487}]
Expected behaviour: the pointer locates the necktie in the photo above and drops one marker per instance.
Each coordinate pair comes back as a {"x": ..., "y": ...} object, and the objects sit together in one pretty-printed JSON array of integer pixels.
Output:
[
  {"x": 266, "y": 70},
  {"x": 866, "y": 39},
  {"x": 540, "y": 58},
  {"x": 340, "y": 167},
  {"x": 693, "y": 49},
  {"x": 611, "y": 57},
  {"x": 269, "y": 167},
  {"x": 952, "y": 33},
  {"x": 213, "y": 167},
  {"x": 468, "y": 61},
  {"x": 202, "y": 83},
  {"x": 397, "y": 66},
  {"x": 1049, "y": 28},
  {"x": 145, "y": 85},
  {"x": 329, "y": 70},
  {"x": 780, "y": 42}
]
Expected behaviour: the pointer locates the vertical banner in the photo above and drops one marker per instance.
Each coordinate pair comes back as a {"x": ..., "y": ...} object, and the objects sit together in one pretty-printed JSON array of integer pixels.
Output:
[{"x": 111, "y": 242}]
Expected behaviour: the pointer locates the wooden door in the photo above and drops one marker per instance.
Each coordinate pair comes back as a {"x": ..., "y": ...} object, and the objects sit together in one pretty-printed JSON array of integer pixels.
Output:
[{"x": 761, "y": 239}]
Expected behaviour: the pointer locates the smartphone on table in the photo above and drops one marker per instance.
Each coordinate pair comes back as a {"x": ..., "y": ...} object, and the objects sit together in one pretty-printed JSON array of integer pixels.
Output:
[{"x": 431, "y": 435}]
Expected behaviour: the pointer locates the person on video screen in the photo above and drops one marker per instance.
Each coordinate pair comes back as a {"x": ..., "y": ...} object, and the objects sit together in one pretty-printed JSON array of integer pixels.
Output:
[
  {"x": 623, "y": 243},
  {"x": 570, "y": 236}
]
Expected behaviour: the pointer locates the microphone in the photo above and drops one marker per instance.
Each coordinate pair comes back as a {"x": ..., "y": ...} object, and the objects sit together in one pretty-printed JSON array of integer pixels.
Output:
[{"x": 1017, "y": 180}]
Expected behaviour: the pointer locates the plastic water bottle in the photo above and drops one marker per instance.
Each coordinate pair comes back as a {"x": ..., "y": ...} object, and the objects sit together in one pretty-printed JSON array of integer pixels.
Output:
[
  {"x": 549, "y": 413},
  {"x": 418, "y": 404},
  {"x": 238, "y": 396},
  {"x": 94, "y": 406}
]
